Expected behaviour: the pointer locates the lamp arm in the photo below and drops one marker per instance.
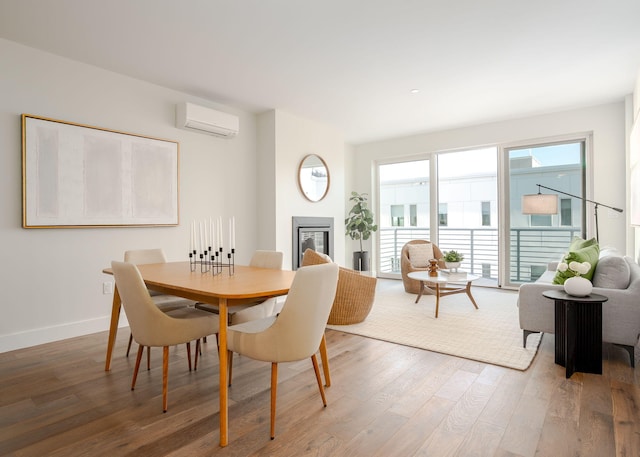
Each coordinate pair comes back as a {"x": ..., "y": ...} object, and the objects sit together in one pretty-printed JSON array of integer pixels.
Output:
[{"x": 581, "y": 198}]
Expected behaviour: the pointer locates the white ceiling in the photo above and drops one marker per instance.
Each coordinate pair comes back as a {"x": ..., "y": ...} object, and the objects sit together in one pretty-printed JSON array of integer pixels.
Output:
[{"x": 353, "y": 63}]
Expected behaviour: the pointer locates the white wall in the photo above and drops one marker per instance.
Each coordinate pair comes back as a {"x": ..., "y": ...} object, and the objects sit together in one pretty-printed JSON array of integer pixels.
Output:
[
  {"x": 51, "y": 279},
  {"x": 607, "y": 122},
  {"x": 636, "y": 98},
  {"x": 634, "y": 237},
  {"x": 284, "y": 140}
]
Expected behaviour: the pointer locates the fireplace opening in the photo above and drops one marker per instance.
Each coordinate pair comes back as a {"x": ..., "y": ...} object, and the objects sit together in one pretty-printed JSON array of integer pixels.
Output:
[{"x": 311, "y": 232}]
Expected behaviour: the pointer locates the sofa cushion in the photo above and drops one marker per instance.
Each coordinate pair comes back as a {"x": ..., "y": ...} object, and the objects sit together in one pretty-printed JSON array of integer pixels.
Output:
[
  {"x": 579, "y": 243},
  {"x": 608, "y": 250},
  {"x": 420, "y": 254},
  {"x": 612, "y": 272},
  {"x": 586, "y": 254}
]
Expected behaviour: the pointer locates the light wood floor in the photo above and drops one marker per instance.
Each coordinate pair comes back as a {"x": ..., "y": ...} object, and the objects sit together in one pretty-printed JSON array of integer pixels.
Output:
[{"x": 386, "y": 400}]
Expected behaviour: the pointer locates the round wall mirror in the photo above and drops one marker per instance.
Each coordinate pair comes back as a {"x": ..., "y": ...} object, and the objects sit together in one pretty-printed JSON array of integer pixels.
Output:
[{"x": 313, "y": 178}]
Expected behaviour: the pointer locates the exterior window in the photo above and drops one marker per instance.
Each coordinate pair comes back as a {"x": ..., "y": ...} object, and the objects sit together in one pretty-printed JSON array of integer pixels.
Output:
[
  {"x": 397, "y": 215},
  {"x": 486, "y": 214},
  {"x": 413, "y": 215},
  {"x": 541, "y": 220},
  {"x": 442, "y": 215},
  {"x": 565, "y": 211}
]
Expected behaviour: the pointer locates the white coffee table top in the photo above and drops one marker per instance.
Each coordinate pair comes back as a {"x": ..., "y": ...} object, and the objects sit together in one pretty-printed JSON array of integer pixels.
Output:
[{"x": 443, "y": 277}]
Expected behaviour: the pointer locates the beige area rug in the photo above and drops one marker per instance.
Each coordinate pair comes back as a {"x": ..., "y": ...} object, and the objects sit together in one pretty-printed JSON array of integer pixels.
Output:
[{"x": 489, "y": 334}]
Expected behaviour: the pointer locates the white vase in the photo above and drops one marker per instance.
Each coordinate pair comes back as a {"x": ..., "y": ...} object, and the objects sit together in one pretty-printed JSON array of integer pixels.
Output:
[
  {"x": 453, "y": 266},
  {"x": 578, "y": 286}
]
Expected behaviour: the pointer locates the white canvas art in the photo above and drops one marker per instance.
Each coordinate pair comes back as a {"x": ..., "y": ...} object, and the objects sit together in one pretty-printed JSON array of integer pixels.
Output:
[{"x": 80, "y": 176}]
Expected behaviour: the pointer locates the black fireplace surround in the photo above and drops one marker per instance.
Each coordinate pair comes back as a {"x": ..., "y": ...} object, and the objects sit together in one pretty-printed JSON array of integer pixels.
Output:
[{"x": 311, "y": 232}]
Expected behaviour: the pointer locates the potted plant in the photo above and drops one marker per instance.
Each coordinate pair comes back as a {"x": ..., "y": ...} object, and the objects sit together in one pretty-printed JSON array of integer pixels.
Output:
[
  {"x": 452, "y": 259},
  {"x": 359, "y": 226}
]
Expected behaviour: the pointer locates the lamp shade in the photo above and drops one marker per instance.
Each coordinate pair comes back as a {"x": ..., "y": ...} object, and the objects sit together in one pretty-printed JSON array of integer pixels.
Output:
[{"x": 539, "y": 204}]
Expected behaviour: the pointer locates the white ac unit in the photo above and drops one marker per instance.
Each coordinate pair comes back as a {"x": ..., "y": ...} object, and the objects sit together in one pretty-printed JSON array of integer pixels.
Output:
[{"x": 206, "y": 120}]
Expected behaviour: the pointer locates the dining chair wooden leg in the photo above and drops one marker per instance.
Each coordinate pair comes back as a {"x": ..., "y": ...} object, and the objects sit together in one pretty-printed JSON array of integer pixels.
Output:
[
  {"x": 325, "y": 361},
  {"x": 148, "y": 358},
  {"x": 137, "y": 367},
  {"x": 198, "y": 351},
  {"x": 274, "y": 389},
  {"x": 316, "y": 368},
  {"x": 189, "y": 354},
  {"x": 165, "y": 377},
  {"x": 129, "y": 345}
]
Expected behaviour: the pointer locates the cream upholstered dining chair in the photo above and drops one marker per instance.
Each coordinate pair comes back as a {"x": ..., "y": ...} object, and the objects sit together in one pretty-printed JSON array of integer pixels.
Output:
[
  {"x": 266, "y": 308},
  {"x": 162, "y": 301},
  {"x": 152, "y": 327},
  {"x": 295, "y": 333},
  {"x": 415, "y": 256},
  {"x": 251, "y": 311},
  {"x": 260, "y": 259}
]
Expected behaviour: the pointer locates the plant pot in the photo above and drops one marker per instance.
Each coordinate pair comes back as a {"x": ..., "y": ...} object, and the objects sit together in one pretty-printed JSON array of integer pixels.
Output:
[
  {"x": 578, "y": 286},
  {"x": 453, "y": 266},
  {"x": 361, "y": 260}
]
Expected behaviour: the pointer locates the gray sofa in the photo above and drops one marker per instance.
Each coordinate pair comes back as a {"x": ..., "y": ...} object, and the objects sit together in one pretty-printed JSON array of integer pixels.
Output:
[{"x": 615, "y": 277}]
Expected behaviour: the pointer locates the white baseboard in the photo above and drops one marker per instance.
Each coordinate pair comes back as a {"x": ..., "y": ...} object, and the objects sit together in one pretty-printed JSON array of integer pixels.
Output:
[{"x": 28, "y": 338}]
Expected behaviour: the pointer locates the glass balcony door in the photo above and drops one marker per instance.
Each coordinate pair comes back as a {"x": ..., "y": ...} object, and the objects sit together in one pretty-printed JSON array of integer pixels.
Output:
[
  {"x": 458, "y": 200},
  {"x": 468, "y": 209},
  {"x": 535, "y": 240},
  {"x": 403, "y": 210},
  {"x": 448, "y": 198}
]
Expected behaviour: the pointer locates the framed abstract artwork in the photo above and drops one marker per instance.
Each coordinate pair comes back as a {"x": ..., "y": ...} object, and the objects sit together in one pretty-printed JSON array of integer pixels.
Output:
[{"x": 77, "y": 175}]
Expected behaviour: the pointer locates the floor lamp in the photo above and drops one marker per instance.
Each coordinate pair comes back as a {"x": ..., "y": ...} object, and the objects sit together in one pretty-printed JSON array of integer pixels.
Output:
[{"x": 548, "y": 204}]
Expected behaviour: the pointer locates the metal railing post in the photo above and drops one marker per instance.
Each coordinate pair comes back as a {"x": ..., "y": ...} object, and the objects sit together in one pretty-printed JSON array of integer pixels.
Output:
[{"x": 471, "y": 251}]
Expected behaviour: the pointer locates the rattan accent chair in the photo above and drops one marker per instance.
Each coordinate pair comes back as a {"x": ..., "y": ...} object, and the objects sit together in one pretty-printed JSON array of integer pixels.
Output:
[
  {"x": 355, "y": 293},
  {"x": 412, "y": 286}
]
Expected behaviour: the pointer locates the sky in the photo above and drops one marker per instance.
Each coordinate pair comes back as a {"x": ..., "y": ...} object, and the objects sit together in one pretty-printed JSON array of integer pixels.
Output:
[{"x": 480, "y": 161}]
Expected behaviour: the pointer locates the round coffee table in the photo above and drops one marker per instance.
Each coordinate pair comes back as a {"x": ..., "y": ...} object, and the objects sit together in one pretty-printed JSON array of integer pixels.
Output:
[{"x": 441, "y": 289}]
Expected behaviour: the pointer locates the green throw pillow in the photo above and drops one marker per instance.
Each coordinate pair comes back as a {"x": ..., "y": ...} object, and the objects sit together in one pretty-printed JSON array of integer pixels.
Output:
[
  {"x": 579, "y": 243},
  {"x": 586, "y": 254}
]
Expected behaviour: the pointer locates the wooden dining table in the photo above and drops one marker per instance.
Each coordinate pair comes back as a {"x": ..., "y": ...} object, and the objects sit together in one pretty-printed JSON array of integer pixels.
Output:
[{"x": 244, "y": 285}]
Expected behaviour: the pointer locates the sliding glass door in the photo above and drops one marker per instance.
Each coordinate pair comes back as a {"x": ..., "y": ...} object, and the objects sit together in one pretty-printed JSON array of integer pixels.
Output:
[
  {"x": 534, "y": 240},
  {"x": 453, "y": 199},
  {"x": 403, "y": 210},
  {"x": 468, "y": 209},
  {"x": 448, "y": 198}
]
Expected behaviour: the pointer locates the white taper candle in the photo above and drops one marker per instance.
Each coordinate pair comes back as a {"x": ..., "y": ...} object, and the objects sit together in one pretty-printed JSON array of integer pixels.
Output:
[
  {"x": 202, "y": 240},
  {"x": 191, "y": 240},
  {"x": 233, "y": 239}
]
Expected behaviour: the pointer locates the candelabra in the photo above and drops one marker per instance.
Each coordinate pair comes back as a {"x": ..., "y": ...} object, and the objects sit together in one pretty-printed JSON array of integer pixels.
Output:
[{"x": 212, "y": 260}]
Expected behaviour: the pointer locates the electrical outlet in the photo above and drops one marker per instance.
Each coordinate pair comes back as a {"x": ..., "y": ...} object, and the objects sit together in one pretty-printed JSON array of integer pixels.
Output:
[{"x": 107, "y": 287}]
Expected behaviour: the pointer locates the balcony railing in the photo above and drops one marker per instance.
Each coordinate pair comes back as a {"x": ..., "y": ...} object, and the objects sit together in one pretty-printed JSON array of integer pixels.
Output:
[{"x": 530, "y": 249}]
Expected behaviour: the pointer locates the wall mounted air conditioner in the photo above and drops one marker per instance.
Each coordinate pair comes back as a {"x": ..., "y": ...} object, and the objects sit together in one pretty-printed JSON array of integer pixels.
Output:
[{"x": 206, "y": 120}]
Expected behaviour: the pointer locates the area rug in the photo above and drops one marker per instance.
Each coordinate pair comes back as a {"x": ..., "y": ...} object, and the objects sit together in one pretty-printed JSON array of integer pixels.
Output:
[{"x": 490, "y": 334}]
